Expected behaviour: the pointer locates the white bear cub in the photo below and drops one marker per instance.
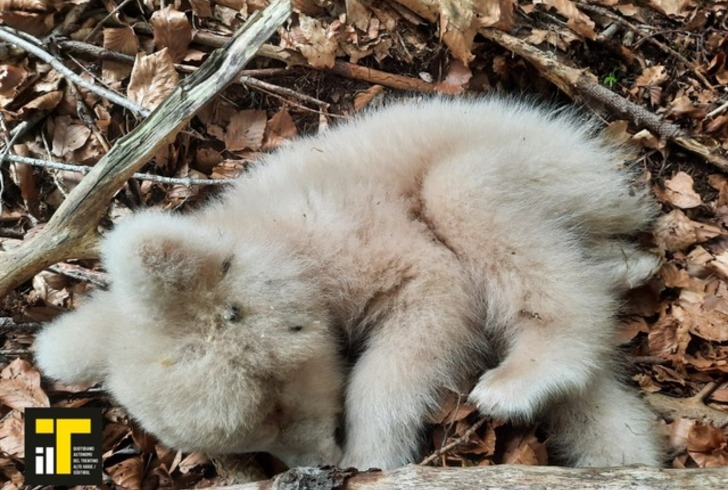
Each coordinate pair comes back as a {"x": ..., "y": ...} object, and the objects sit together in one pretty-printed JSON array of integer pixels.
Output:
[{"x": 437, "y": 240}]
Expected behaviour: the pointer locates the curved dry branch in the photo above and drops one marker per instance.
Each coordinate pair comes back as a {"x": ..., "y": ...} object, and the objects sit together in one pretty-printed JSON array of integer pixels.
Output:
[{"x": 71, "y": 232}]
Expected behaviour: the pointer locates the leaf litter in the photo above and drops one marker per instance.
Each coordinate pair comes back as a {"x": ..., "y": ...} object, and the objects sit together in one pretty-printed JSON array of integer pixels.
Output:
[{"x": 675, "y": 329}]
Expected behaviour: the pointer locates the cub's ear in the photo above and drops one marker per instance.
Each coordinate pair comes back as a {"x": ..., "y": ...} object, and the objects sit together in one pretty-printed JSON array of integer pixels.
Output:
[
  {"x": 154, "y": 252},
  {"x": 72, "y": 349}
]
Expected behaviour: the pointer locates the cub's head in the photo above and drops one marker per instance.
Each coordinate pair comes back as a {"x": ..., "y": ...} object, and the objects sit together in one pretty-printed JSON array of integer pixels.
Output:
[{"x": 212, "y": 342}]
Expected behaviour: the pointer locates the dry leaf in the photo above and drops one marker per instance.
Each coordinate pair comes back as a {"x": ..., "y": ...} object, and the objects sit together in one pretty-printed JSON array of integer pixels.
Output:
[
  {"x": 458, "y": 76},
  {"x": 173, "y": 31},
  {"x": 121, "y": 40},
  {"x": 68, "y": 137},
  {"x": 675, "y": 231},
  {"x": 11, "y": 76},
  {"x": 279, "y": 129},
  {"x": 31, "y": 5},
  {"x": 129, "y": 473},
  {"x": 20, "y": 386},
  {"x": 152, "y": 79},
  {"x": 673, "y": 8},
  {"x": 577, "y": 21},
  {"x": 12, "y": 440},
  {"x": 652, "y": 76},
  {"x": 246, "y": 130},
  {"x": 680, "y": 193},
  {"x": 318, "y": 48}
]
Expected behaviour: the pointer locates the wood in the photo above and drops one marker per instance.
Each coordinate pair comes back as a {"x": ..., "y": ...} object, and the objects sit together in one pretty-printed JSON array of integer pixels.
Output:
[
  {"x": 582, "y": 85},
  {"x": 71, "y": 232},
  {"x": 512, "y": 477}
]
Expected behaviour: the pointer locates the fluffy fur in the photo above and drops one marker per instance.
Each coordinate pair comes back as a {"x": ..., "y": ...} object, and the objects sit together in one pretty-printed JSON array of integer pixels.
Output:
[{"x": 439, "y": 239}]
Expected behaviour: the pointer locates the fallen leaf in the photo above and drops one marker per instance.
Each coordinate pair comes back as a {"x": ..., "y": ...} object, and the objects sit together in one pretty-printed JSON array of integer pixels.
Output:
[
  {"x": 12, "y": 440},
  {"x": 279, "y": 129},
  {"x": 121, "y": 40},
  {"x": 577, "y": 20},
  {"x": 68, "y": 136},
  {"x": 173, "y": 31},
  {"x": 675, "y": 231},
  {"x": 20, "y": 386},
  {"x": 680, "y": 193},
  {"x": 153, "y": 77},
  {"x": 246, "y": 130}
]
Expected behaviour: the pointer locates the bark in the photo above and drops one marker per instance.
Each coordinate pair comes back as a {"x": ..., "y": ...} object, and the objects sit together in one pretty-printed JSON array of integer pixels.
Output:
[{"x": 71, "y": 232}]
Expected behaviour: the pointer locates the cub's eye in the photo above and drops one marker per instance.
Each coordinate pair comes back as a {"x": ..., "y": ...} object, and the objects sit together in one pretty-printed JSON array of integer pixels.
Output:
[
  {"x": 296, "y": 328},
  {"x": 233, "y": 314},
  {"x": 226, "y": 265}
]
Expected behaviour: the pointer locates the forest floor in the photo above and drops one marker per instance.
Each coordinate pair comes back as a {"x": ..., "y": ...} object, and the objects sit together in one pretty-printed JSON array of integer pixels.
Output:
[{"x": 654, "y": 71}]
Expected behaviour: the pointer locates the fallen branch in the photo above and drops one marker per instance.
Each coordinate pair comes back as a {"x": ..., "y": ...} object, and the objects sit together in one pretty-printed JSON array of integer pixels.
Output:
[
  {"x": 580, "y": 84},
  {"x": 71, "y": 232},
  {"x": 82, "y": 169},
  {"x": 494, "y": 477}
]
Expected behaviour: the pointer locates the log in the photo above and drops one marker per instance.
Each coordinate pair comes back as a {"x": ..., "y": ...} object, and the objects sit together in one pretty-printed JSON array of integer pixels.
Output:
[
  {"x": 512, "y": 477},
  {"x": 71, "y": 232}
]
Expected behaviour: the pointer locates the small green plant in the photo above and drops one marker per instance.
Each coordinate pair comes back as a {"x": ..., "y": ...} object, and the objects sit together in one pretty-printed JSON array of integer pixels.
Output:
[{"x": 610, "y": 80}]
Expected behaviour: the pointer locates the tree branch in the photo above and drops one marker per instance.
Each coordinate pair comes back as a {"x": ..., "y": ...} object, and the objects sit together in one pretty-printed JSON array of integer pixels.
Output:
[
  {"x": 493, "y": 477},
  {"x": 71, "y": 232}
]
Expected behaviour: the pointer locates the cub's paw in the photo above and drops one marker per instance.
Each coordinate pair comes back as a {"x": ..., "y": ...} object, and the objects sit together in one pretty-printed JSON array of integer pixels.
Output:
[{"x": 504, "y": 395}]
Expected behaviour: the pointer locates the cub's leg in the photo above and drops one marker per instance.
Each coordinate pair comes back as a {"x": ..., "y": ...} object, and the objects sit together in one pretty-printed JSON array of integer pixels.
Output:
[
  {"x": 423, "y": 345},
  {"x": 555, "y": 318},
  {"x": 605, "y": 425}
]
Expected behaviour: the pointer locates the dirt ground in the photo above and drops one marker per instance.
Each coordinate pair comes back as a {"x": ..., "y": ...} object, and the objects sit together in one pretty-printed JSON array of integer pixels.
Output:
[{"x": 653, "y": 71}]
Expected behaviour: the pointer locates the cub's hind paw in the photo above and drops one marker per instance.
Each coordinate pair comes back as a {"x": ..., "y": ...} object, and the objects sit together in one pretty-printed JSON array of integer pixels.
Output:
[{"x": 501, "y": 396}]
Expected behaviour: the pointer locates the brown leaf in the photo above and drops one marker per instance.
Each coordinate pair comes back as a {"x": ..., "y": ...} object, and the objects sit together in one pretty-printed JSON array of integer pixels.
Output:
[
  {"x": 680, "y": 193},
  {"x": 317, "y": 47},
  {"x": 672, "y": 8},
  {"x": 279, "y": 129},
  {"x": 128, "y": 474},
  {"x": 30, "y": 5},
  {"x": 20, "y": 386},
  {"x": 458, "y": 76},
  {"x": 68, "y": 137},
  {"x": 577, "y": 21},
  {"x": 675, "y": 231},
  {"x": 121, "y": 40},
  {"x": 45, "y": 102},
  {"x": 246, "y": 130},
  {"x": 652, "y": 76},
  {"x": 12, "y": 440},
  {"x": 11, "y": 76},
  {"x": 525, "y": 449},
  {"x": 173, "y": 31},
  {"x": 152, "y": 79}
]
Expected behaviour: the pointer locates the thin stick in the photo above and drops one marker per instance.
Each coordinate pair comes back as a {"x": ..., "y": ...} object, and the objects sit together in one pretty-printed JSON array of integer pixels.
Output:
[
  {"x": 453, "y": 444},
  {"x": 69, "y": 167},
  {"x": 8, "y": 35},
  {"x": 7, "y": 323}
]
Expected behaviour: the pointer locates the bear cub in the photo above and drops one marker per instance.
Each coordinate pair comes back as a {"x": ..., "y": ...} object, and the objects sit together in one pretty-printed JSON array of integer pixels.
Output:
[{"x": 442, "y": 239}]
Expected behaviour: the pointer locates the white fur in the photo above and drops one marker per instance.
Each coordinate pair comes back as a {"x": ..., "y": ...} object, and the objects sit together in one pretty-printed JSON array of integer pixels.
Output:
[{"x": 440, "y": 238}]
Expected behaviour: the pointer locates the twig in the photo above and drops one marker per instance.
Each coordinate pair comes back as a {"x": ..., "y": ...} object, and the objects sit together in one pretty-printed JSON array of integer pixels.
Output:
[
  {"x": 71, "y": 231},
  {"x": 7, "y": 323},
  {"x": 68, "y": 167},
  {"x": 246, "y": 77},
  {"x": 81, "y": 274},
  {"x": 581, "y": 84},
  {"x": 662, "y": 46},
  {"x": 399, "y": 82},
  {"x": 452, "y": 444},
  {"x": 8, "y": 35}
]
